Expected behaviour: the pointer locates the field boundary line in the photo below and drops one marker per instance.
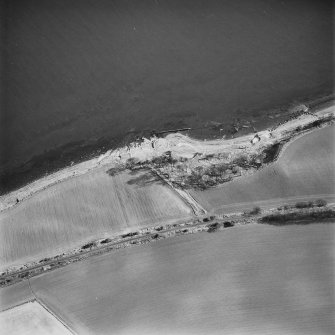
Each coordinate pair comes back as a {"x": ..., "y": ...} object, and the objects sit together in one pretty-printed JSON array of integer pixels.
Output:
[
  {"x": 274, "y": 200},
  {"x": 37, "y": 300},
  {"x": 43, "y": 305},
  {"x": 58, "y": 318},
  {"x": 298, "y": 136},
  {"x": 197, "y": 209},
  {"x": 18, "y": 305},
  {"x": 287, "y": 142},
  {"x": 190, "y": 226}
]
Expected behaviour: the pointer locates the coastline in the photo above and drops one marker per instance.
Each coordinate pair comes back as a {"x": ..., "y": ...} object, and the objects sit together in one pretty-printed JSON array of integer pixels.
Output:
[{"x": 180, "y": 145}]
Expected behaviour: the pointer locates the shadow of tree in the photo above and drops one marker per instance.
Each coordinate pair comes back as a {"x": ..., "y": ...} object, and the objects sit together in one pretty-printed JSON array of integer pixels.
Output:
[
  {"x": 143, "y": 179},
  {"x": 113, "y": 171}
]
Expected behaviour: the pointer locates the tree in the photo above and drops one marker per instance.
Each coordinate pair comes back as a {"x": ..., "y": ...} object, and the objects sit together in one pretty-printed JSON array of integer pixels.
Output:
[
  {"x": 199, "y": 169},
  {"x": 256, "y": 210},
  {"x": 106, "y": 240},
  {"x": 241, "y": 161},
  {"x": 173, "y": 161},
  {"x": 160, "y": 160},
  {"x": 221, "y": 168},
  {"x": 236, "y": 169},
  {"x": 130, "y": 162},
  {"x": 213, "y": 227},
  {"x": 320, "y": 203},
  {"x": 304, "y": 204}
]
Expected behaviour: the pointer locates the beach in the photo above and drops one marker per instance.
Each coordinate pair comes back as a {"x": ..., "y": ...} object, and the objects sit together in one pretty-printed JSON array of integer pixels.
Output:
[{"x": 179, "y": 145}]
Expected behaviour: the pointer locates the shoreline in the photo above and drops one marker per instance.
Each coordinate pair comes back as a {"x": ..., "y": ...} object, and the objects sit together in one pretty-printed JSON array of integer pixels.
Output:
[
  {"x": 60, "y": 157},
  {"x": 306, "y": 124},
  {"x": 181, "y": 145}
]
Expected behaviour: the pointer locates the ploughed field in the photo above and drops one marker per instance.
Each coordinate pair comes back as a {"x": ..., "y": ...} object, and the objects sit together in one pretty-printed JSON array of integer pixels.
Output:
[
  {"x": 91, "y": 206},
  {"x": 31, "y": 319},
  {"x": 243, "y": 280},
  {"x": 305, "y": 169}
]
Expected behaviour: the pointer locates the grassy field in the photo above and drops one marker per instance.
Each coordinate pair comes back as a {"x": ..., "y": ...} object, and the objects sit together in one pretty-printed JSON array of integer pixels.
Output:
[
  {"x": 30, "y": 319},
  {"x": 246, "y": 280},
  {"x": 83, "y": 208},
  {"x": 305, "y": 169}
]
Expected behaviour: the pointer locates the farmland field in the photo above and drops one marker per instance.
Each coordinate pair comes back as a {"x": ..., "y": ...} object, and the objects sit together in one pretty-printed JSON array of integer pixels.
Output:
[
  {"x": 15, "y": 295},
  {"x": 246, "y": 280},
  {"x": 30, "y": 319},
  {"x": 83, "y": 208},
  {"x": 305, "y": 169}
]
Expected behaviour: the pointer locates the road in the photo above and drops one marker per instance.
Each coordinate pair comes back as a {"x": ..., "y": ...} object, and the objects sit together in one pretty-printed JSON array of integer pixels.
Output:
[{"x": 101, "y": 249}]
